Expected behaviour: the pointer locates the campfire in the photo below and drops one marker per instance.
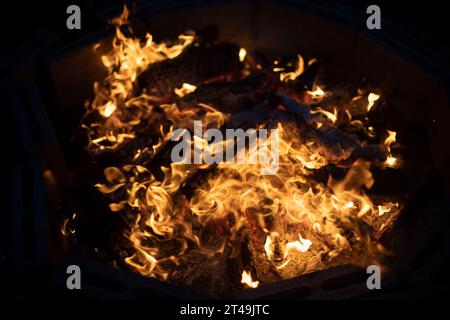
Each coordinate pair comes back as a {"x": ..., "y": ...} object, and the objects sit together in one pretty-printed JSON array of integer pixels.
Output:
[{"x": 224, "y": 226}]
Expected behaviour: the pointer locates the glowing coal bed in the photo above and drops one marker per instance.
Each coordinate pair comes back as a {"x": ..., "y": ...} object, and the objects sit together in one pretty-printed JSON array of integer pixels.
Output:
[{"x": 221, "y": 227}]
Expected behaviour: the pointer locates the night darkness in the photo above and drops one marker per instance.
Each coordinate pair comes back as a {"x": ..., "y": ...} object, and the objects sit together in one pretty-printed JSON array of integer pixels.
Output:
[{"x": 424, "y": 19}]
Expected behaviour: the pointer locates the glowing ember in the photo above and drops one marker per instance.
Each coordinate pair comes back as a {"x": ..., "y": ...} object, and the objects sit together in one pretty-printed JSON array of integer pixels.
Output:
[{"x": 185, "y": 89}]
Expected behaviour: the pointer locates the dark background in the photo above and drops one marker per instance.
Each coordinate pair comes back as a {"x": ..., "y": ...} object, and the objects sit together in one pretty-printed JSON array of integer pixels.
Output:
[{"x": 20, "y": 18}]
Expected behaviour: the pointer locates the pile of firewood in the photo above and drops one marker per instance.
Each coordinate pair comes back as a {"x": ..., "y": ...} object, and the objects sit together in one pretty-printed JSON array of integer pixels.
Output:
[{"x": 251, "y": 93}]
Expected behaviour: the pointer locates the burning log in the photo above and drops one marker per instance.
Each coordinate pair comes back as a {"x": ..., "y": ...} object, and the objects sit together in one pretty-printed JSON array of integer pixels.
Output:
[
  {"x": 230, "y": 97},
  {"x": 202, "y": 224},
  {"x": 196, "y": 65}
]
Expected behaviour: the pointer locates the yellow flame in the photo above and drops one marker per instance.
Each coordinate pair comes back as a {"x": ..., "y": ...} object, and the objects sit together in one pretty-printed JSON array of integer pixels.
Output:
[
  {"x": 128, "y": 58},
  {"x": 317, "y": 93},
  {"x": 242, "y": 54},
  {"x": 391, "y": 161},
  {"x": 108, "y": 109},
  {"x": 382, "y": 209},
  {"x": 299, "y": 68},
  {"x": 331, "y": 116},
  {"x": 248, "y": 281},
  {"x": 301, "y": 245},
  {"x": 372, "y": 98}
]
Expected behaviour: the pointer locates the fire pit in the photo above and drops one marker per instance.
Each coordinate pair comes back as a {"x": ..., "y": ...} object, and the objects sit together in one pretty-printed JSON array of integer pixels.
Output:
[{"x": 343, "y": 165}]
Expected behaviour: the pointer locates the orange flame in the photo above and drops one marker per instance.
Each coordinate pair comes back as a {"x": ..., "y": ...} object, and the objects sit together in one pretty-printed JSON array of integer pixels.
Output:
[{"x": 300, "y": 216}]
